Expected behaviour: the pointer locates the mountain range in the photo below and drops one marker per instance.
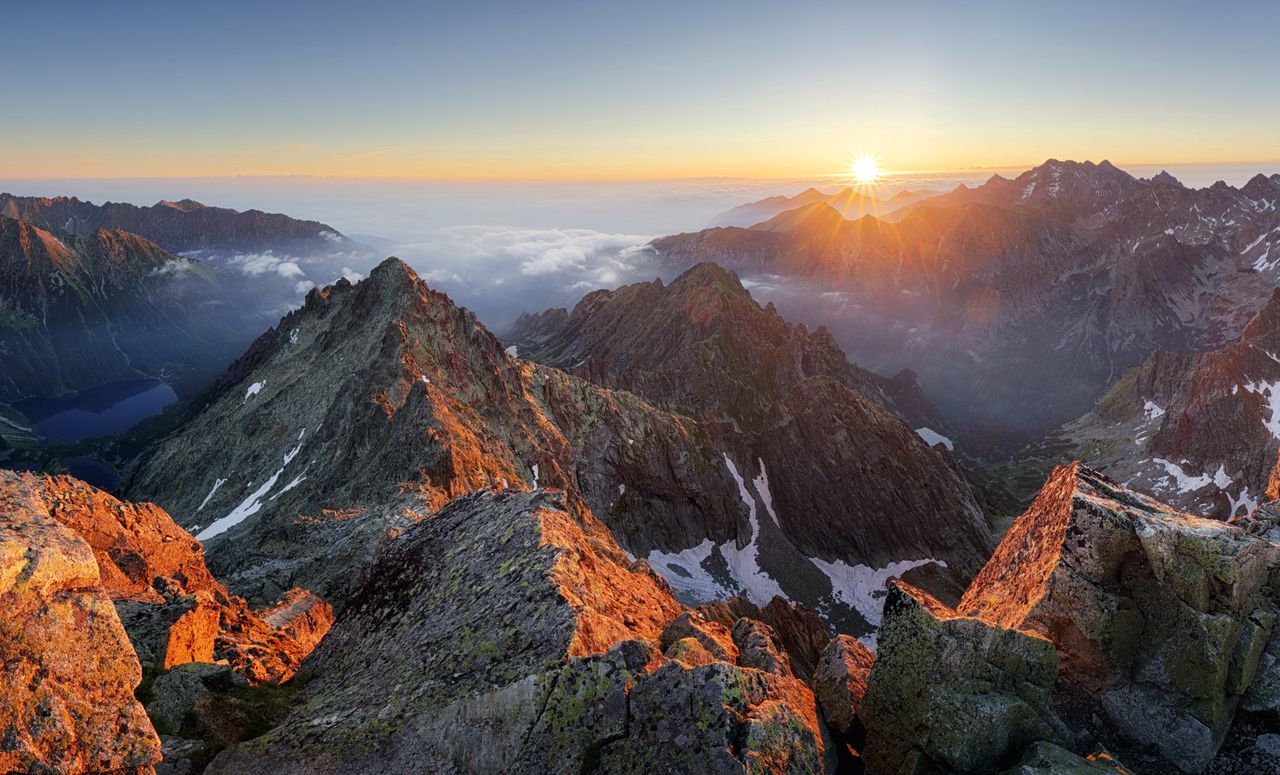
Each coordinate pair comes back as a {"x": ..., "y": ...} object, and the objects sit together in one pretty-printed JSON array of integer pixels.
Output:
[
  {"x": 670, "y": 529},
  {"x": 184, "y": 226},
  {"x": 82, "y": 310},
  {"x": 850, "y": 202},
  {"x": 1020, "y": 301}
]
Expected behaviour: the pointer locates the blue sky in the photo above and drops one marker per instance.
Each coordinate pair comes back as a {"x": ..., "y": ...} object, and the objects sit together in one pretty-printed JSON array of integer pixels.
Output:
[{"x": 613, "y": 90}]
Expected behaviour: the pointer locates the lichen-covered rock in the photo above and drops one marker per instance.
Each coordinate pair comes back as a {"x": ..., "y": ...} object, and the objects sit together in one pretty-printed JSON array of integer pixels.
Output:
[
  {"x": 67, "y": 672},
  {"x": 176, "y": 691},
  {"x": 714, "y": 719},
  {"x": 508, "y": 633},
  {"x": 759, "y": 647},
  {"x": 1263, "y": 695},
  {"x": 1045, "y": 758},
  {"x": 1160, "y": 617},
  {"x": 713, "y": 636},
  {"x": 803, "y": 632},
  {"x": 840, "y": 681},
  {"x": 953, "y": 692}
]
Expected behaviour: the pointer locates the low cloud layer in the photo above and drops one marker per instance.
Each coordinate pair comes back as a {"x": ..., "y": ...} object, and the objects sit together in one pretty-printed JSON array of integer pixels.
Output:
[{"x": 502, "y": 271}]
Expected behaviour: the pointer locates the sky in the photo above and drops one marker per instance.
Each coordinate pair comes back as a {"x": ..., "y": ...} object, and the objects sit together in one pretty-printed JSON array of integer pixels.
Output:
[{"x": 625, "y": 91}]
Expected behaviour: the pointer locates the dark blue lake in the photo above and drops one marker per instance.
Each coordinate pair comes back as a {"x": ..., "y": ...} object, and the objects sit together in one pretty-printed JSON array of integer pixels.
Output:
[{"x": 101, "y": 411}]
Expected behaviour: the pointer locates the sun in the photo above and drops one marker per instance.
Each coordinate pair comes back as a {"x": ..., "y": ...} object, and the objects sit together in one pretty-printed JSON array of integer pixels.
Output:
[{"x": 865, "y": 169}]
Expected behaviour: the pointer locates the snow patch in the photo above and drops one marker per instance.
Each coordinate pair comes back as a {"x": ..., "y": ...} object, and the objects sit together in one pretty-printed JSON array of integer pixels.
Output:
[
  {"x": 932, "y": 437},
  {"x": 684, "y": 572},
  {"x": 254, "y": 390},
  {"x": 209, "y": 497},
  {"x": 253, "y": 504},
  {"x": 744, "y": 563},
  {"x": 1270, "y": 391},
  {"x": 860, "y": 585},
  {"x": 1152, "y": 410},
  {"x": 761, "y": 483},
  {"x": 1183, "y": 482},
  {"x": 1249, "y": 504}
]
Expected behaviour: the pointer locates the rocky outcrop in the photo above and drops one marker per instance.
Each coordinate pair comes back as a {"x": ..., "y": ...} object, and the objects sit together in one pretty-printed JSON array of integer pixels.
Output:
[
  {"x": 172, "y": 607},
  {"x": 803, "y": 632},
  {"x": 953, "y": 693},
  {"x": 509, "y": 633},
  {"x": 1045, "y": 758},
  {"x": 840, "y": 683},
  {"x": 1160, "y": 618},
  {"x": 142, "y": 554},
  {"x": 66, "y": 693}
]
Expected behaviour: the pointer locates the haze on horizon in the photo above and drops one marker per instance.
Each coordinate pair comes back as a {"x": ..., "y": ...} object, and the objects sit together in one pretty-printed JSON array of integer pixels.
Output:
[{"x": 577, "y": 90}]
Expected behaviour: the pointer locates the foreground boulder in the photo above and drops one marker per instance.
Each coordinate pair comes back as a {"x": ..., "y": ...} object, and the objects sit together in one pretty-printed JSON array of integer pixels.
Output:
[
  {"x": 840, "y": 682},
  {"x": 173, "y": 608},
  {"x": 1160, "y": 618},
  {"x": 508, "y": 633},
  {"x": 68, "y": 673},
  {"x": 952, "y": 693}
]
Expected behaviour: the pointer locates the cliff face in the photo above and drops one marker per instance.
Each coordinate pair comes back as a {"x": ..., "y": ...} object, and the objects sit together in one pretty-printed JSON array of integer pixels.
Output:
[{"x": 1200, "y": 431}]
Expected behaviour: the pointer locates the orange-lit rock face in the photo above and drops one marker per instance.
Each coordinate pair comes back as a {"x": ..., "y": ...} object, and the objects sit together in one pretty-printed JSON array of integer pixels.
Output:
[
  {"x": 1013, "y": 581},
  {"x": 610, "y": 601},
  {"x": 68, "y": 672},
  {"x": 1158, "y": 615},
  {"x": 145, "y": 558},
  {"x": 516, "y": 613},
  {"x": 142, "y": 554},
  {"x": 954, "y": 692},
  {"x": 192, "y": 636}
]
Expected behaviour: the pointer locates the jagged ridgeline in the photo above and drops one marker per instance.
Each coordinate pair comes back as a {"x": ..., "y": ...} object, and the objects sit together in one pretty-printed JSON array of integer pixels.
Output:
[
  {"x": 1021, "y": 300},
  {"x": 385, "y": 390}
]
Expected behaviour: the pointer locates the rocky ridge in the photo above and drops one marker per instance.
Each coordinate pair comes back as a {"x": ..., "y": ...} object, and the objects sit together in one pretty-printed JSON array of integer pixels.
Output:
[
  {"x": 540, "y": 644},
  {"x": 378, "y": 402}
]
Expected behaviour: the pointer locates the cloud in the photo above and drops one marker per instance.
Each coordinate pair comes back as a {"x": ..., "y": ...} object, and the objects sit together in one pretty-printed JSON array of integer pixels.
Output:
[
  {"x": 351, "y": 275},
  {"x": 303, "y": 286},
  {"x": 258, "y": 264},
  {"x": 174, "y": 266},
  {"x": 502, "y": 271}
]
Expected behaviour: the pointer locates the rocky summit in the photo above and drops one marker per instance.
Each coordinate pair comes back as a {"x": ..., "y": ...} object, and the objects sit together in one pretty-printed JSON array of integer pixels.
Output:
[
  {"x": 538, "y": 644},
  {"x": 376, "y": 403}
]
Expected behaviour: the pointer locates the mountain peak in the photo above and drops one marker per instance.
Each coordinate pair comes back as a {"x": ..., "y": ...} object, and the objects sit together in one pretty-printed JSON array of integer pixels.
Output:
[
  {"x": 1166, "y": 178},
  {"x": 184, "y": 205}
]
